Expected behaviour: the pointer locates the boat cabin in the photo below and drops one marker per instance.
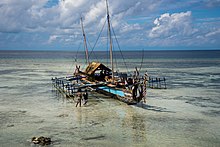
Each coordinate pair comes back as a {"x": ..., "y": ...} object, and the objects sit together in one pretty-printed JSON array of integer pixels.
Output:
[{"x": 97, "y": 71}]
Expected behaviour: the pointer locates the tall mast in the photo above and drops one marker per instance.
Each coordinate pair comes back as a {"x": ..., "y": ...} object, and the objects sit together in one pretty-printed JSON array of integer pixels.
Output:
[
  {"x": 85, "y": 44},
  {"x": 110, "y": 37}
]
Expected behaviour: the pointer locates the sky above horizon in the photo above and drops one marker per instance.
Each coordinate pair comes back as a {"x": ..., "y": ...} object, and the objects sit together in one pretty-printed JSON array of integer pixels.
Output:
[{"x": 138, "y": 24}]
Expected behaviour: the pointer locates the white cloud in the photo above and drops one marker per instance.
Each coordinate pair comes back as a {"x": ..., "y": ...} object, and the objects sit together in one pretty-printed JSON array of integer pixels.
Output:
[
  {"x": 52, "y": 38},
  {"x": 215, "y": 33},
  {"x": 16, "y": 16},
  {"x": 96, "y": 11},
  {"x": 133, "y": 27},
  {"x": 167, "y": 25},
  {"x": 23, "y": 15}
]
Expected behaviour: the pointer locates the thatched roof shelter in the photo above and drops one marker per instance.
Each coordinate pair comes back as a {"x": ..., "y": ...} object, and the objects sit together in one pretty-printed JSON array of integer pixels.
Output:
[{"x": 94, "y": 66}]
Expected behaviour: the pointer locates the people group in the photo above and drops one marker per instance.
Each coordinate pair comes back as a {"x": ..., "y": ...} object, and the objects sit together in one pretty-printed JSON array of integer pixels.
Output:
[{"x": 82, "y": 97}]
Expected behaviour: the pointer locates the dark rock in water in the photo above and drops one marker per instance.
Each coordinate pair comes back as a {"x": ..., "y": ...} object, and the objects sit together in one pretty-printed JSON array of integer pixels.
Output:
[
  {"x": 10, "y": 125},
  {"x": 35, "y": 140},
  {"x": 41, "y": 140},
  {"x": 63, "y": 115},
  {"x": 96, "y": 137}
]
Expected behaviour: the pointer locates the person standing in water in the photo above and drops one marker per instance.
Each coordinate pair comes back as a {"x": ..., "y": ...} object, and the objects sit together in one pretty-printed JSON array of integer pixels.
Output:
[
  {"x": 79, "y": 95},
  {"x": 85, "y": 97}
]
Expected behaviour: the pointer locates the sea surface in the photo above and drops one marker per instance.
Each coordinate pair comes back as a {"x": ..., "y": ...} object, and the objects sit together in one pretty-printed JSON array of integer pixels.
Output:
[{"x": 186, "y": 114}]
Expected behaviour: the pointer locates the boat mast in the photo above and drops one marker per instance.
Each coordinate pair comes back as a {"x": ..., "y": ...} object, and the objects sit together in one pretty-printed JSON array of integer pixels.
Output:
[
  {"x": 110, "y": 37},
  {"x": 85, "y": 44}
]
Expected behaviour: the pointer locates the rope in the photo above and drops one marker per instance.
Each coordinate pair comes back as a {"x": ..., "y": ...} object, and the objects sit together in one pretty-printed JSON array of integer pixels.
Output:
[
  {"x": 116, "y": 63},
  {"x": 97, "y": 40},
  {"x": 92, "y": 52},
  {"x": 75, "y": 59},
  {"x": 120, "y": 50}
]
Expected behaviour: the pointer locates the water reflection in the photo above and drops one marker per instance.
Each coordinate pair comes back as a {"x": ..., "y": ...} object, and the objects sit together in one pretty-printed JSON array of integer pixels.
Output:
[{"x": 135, "y": 125}]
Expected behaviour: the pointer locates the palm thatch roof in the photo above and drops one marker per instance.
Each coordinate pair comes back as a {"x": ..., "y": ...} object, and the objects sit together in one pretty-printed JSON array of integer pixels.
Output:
[{"x": 94, "y": 66}]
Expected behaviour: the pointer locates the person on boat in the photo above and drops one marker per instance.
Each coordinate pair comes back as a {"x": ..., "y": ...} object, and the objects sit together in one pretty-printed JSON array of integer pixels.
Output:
[
  {"x": 135, "y": 75},
  {"x": 134, "y": 90},
  {"x": 77, "y": 70},
  {"x": 129, "y": 83},
  {"x": 85, "y": 97},
  {"x": 79, "y": 95},
  {"x": 146, "y": 74},
  {"x": 146, "y": 79},
  {"x": 101, "y": 76}
]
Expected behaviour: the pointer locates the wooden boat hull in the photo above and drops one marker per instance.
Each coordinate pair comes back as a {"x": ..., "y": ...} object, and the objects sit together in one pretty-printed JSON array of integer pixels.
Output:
[{"x": 116, "y": 94}]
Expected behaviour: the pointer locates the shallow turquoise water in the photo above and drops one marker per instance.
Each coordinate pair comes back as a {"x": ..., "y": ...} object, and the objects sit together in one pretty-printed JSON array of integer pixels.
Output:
[{"x": 185, "y": 114}]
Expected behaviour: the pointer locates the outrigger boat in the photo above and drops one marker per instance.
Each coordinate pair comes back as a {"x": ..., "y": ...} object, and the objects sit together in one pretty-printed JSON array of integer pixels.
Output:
[
  {"x": 100, "y": 78},
  {"x": 97, "y": 77}
]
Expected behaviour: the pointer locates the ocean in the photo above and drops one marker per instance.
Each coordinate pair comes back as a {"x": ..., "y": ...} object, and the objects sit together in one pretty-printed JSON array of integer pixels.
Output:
[{"x": 186, "y": 114}]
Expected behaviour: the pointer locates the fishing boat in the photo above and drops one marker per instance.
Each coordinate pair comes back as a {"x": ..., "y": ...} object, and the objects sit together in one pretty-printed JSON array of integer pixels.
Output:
[{"x": 100, "y": 78}]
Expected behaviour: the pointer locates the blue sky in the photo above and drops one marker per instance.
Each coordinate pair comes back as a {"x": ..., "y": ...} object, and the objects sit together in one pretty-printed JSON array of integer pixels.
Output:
[{"x": 138, "y": 24}]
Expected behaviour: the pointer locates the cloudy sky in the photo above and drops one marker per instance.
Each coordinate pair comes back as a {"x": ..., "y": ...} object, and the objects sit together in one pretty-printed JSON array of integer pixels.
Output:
[{"x": 138, "y": 24}]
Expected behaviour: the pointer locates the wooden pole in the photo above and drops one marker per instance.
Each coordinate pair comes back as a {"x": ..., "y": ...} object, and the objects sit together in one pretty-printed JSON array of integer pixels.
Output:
[
  {"x": 110, "y": 37},
  {"x": 85, "y": 43}
]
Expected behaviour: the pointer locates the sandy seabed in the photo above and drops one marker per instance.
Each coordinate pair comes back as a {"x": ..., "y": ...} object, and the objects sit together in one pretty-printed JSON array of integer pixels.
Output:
[{"x": 186, "y": 114}]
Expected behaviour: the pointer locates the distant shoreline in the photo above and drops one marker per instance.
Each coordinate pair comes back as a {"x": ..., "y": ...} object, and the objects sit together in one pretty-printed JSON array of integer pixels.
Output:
[{"x": 147, "y": 50}]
